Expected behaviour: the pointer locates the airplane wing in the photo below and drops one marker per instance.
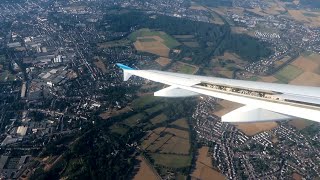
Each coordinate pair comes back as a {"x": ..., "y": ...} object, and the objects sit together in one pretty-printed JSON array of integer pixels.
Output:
[{"x": 262, "y": 101}]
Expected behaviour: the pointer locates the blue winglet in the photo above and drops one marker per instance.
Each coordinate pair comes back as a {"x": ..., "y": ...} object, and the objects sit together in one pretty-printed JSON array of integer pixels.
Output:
[{"x": 124, "y": 67}]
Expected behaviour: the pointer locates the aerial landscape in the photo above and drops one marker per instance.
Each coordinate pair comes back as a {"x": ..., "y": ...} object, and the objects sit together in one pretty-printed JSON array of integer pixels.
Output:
[{"x": 66, "y": 112}]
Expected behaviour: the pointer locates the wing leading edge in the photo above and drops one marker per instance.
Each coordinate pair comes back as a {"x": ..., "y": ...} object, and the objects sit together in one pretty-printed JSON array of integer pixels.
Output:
[{"x": 263, "y": 101}]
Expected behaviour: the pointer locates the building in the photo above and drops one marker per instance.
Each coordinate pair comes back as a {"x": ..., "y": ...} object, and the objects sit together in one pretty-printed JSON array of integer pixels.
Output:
[{"x": 22, "y": 130}]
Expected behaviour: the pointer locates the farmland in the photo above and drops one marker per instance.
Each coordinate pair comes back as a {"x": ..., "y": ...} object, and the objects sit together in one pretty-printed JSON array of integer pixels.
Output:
[
  {"x": 164, "y": 38},
  {"x": 167, "y": 140},
  {"x": 184, "y": 68},
  {"x": 143, "y": 101},
  {"x": 171, "y": 160},
  {"x": 288, "y": 73},
  {"x": 204, "y": 169},
  {"x": 300, "y": 123},
  {"x": 110, "y": 44},
  {"x": 251, "y": 129},
  {"x": 162, "y": 61},
  {"x": 145, "y": 171}
]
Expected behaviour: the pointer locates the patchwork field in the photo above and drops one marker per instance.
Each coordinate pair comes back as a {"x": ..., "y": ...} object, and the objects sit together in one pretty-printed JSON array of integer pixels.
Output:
[
  {"x": 251, "y": 129},
  {"x": 204, "y": 169}
]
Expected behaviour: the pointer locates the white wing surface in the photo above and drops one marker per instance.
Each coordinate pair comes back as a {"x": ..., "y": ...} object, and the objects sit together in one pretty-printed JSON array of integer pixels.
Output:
[{"x": 263, "y": 101}]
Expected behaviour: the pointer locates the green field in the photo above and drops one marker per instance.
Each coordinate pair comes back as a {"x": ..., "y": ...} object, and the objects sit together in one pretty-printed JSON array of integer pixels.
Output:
[
  {"x": 308, "y": 14},
  {"x": 147, "y": 40},
  {"x": 254, "y": 78},
  {"x": 143, "y": 101},
  {"x": 2, "y": 59},
  {"x": 171, "y": 160},
  {"x": 116, "y": 43},
  {"x": 154, "y": 109},
  {"x": 118, "y": 129},
  {"x": 133, "y": 120},
  {"x": 288, "y": 73},
  {"x": 7, "y": 76},
  {"x": 192, "y": 44},
  {"x": 169, "y": 41},
  {"x": 159, "y": 119},
  {"x": 183, "y": 36},
  {"x": 186, "y": 69}
]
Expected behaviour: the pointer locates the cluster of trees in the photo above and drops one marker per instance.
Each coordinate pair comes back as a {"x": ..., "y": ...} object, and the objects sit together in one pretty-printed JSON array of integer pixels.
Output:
[
  {"x": 213, "y": 39},
  {"x": 310, "y": 3},
  {"x": 218, "y": 3}
]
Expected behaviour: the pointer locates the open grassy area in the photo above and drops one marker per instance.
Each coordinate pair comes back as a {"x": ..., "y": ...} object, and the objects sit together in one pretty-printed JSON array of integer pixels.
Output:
[
  {"x": 251, "y": 129},
  {"x": 6, "y": 76},
  {"x": 181, "y": 123},
  {"x": 204, "y": 169},
  {"x": 301, "y": 123},
  {"x": 187, "y": 69},
  {"x": 2, "y": 58},
  {"x": 143, "y": 101},
  {"x": 118, "y": 129},
  {"x": 159, "y": 119},
  {"x": 169, "y": 41},
  {"x": 145, "y": 171},
  {"x": 154, "y": 109},
  {"x": 156, "y": 145},
  {"x": 147, "y": 40},
  {"x": 133, "y": 120},
  {"x": 171, "y": 160},
  {"x": 254, "y": 78},
  {"x": 117, "y": 43},
  {"x": 176, "y": 145},
  {"x": 288, "y": 73},
  {"x": 99, "y": 63}
]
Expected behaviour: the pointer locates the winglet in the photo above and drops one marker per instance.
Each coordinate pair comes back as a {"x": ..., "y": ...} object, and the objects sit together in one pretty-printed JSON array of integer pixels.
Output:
[
  {"x": 124, "y": 67},
  {"x": 126, "y": 70}
]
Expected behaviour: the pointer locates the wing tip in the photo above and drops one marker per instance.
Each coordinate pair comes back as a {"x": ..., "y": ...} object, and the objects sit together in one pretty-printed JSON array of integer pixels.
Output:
[{"x": 124, "y": 67}]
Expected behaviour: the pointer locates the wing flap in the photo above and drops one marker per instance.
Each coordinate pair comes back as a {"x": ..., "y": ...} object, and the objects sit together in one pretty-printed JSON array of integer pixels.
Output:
[
  {"x": 175, "y": 92},
  {"x": 253, "y": 114}
]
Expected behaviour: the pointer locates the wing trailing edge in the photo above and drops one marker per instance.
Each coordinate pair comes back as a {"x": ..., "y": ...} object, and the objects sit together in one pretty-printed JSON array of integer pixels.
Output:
[
  {"x": 253, "y": 114},
  {"x": 175, "y": 92}
]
